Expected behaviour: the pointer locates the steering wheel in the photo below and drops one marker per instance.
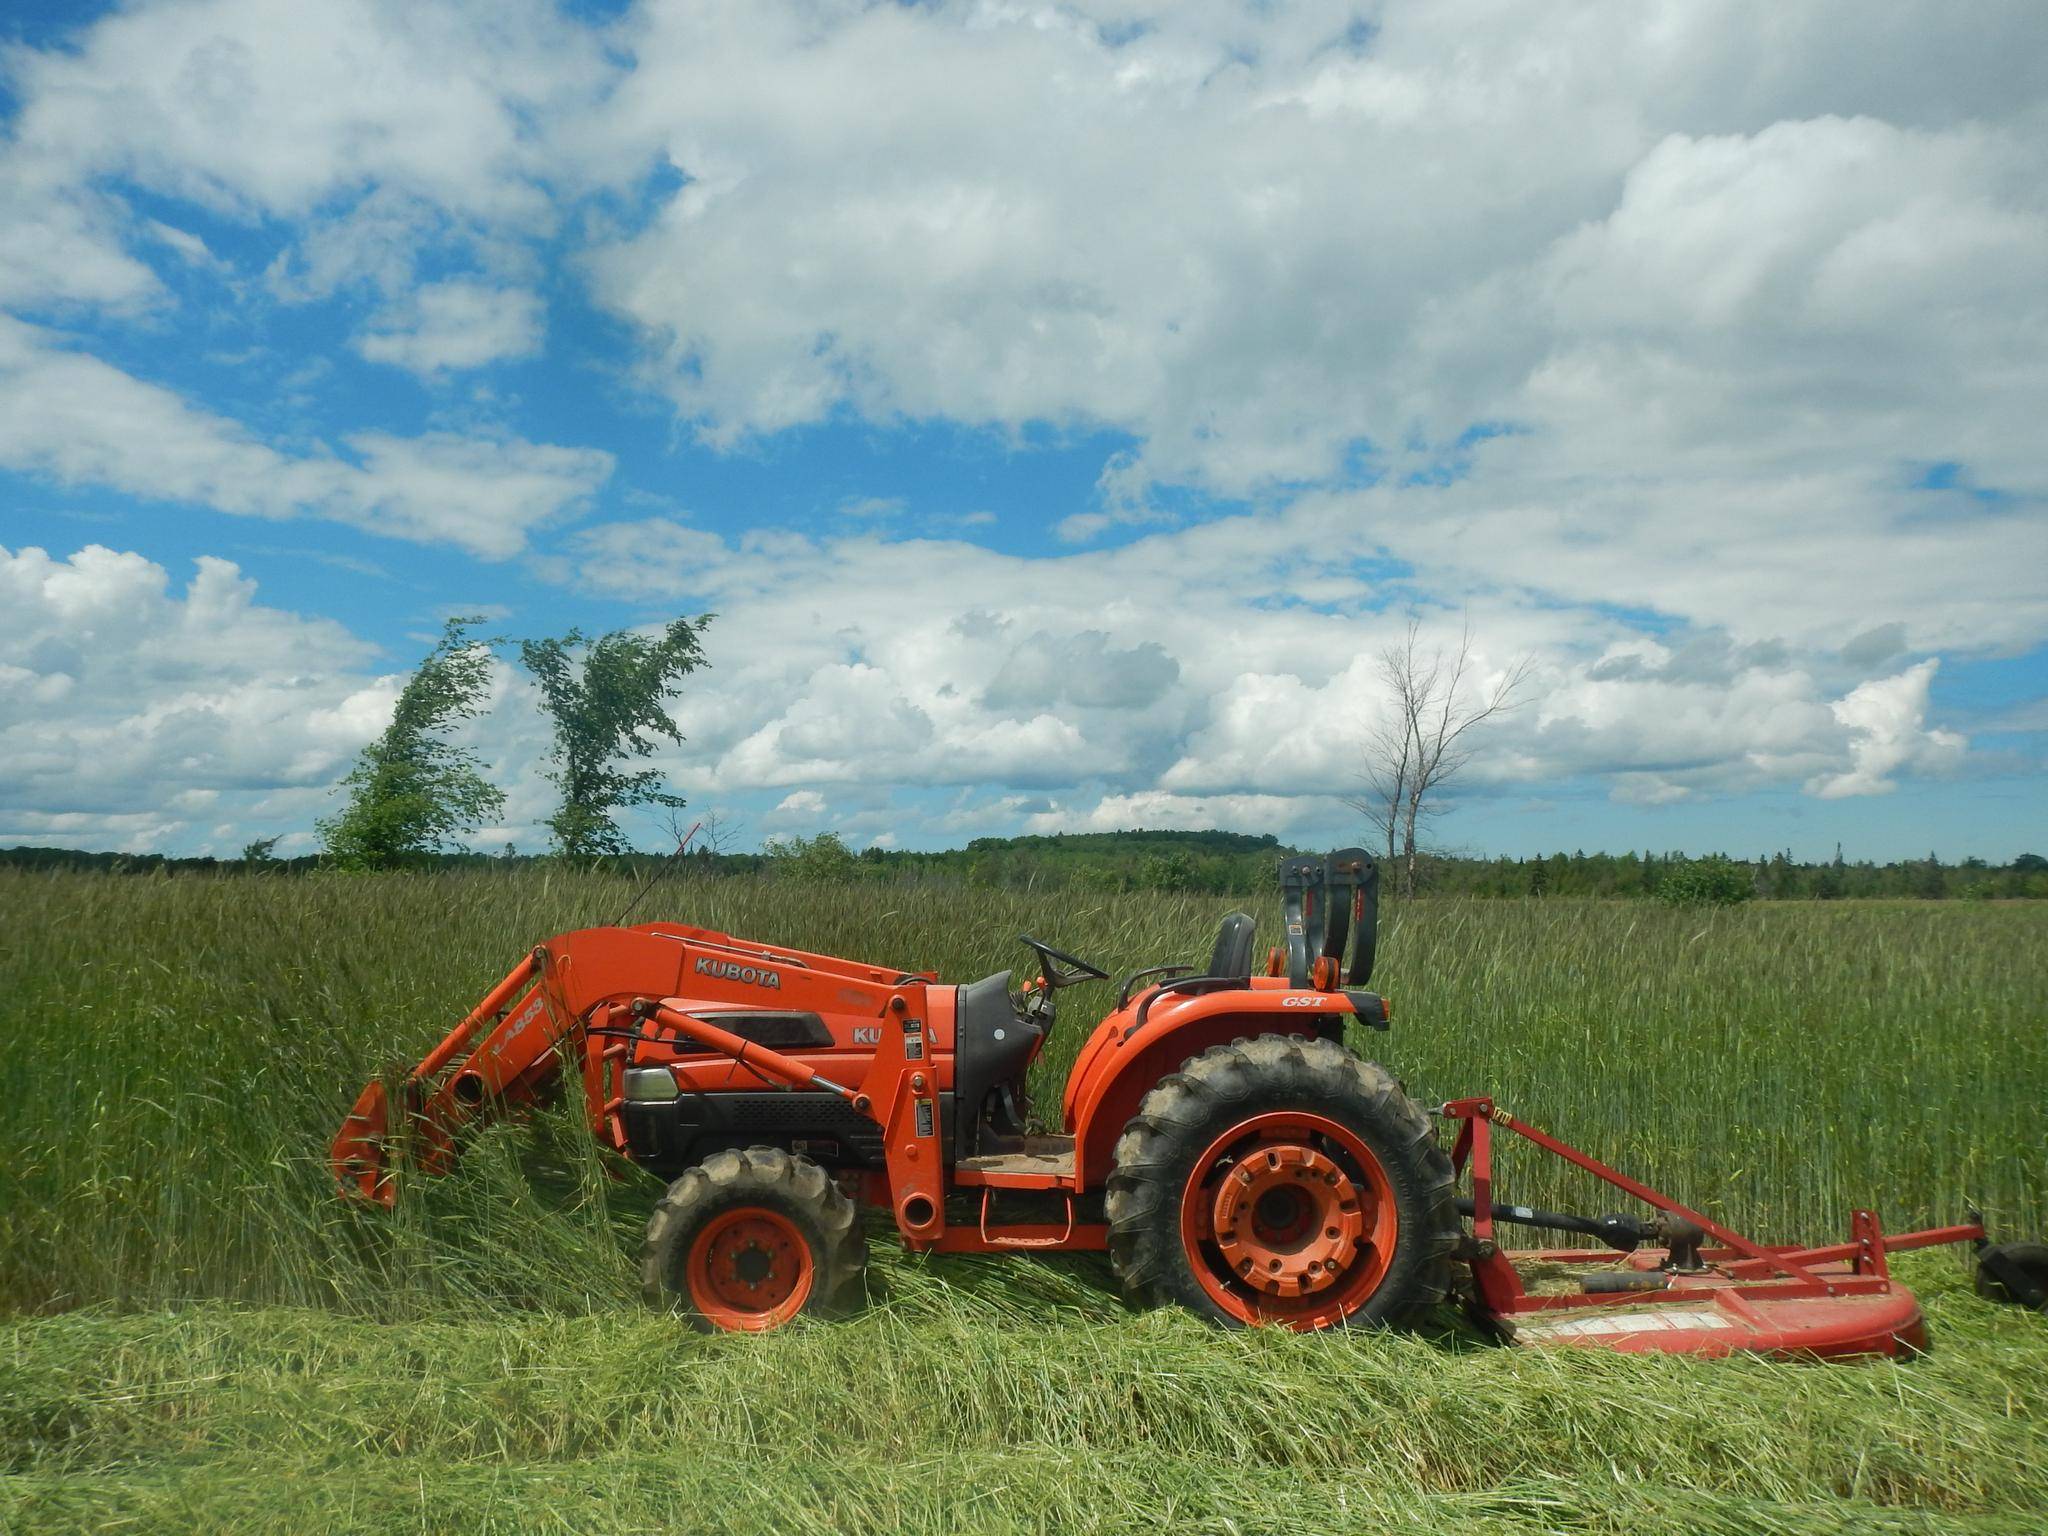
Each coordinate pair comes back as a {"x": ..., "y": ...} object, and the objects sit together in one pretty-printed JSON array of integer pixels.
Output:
[{"x": 1050, "y": 960}]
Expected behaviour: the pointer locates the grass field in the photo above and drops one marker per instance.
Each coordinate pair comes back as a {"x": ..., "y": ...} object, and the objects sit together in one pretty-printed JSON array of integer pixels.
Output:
[{"x": 195, "y": 1335}]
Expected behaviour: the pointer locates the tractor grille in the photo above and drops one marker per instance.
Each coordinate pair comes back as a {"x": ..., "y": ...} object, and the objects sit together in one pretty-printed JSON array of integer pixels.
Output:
[
  {"x": 669, "y": 1137},
  {"x": 812, "y": 1112}
]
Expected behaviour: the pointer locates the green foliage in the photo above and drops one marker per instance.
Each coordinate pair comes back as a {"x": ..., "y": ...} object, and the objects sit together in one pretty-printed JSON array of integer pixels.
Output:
[
  {"x": 262, "y": 851},
  {"x": 1213, "y": 862},
  {"x": 1221, "y": 864},
  {"x": 1713, "y": 882},
  {"x": 1168, "y": 872},
  {"x": 813, "y": 860},
  {"x": 608, "y": 702},
  {"x": 411, "y": 792}
]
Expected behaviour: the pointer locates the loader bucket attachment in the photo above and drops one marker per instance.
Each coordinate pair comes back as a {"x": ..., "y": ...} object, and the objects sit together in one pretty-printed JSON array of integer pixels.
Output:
[
  {"x": 360, "y": 1157},
  {"x": 492, "y": 1055}
]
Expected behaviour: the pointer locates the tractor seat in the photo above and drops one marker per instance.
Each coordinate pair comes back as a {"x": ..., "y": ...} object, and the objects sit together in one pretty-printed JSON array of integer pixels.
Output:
[
  {"x": 1232, "y": 955},
  {"x": 1230, "y": 960}
]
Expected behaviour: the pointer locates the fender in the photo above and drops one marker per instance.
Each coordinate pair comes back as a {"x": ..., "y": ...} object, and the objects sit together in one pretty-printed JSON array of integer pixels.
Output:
[{"x": 1123, "y": 1060}]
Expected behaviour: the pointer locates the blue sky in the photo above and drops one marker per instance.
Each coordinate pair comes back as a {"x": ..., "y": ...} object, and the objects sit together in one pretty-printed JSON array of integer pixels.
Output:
[{"x": 1062, "y": 407}]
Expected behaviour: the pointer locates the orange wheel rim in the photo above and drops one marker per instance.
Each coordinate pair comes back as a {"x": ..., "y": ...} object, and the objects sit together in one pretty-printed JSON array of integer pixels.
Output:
[
  {"x": 1289, "y": 1218},
  {"x": 748, "y": 1270}
]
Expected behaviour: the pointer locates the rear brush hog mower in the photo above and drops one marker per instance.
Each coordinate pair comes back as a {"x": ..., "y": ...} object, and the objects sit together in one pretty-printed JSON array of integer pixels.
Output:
[{"x": 1219, "y": 1141}]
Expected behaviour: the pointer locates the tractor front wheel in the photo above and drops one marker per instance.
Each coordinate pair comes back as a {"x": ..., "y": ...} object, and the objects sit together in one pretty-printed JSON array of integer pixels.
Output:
[
  {"x": 1282, "y": 1180},
  {"x": 745, "y": 1241}
]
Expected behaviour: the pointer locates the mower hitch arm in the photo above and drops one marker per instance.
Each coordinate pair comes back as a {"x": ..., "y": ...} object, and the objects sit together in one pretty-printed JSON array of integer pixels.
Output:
[{"x": 1474, "y": 1142}]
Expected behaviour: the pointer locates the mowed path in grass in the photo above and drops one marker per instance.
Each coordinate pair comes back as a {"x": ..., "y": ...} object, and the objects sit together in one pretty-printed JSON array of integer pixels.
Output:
[{"x": 199, "y": 1337}]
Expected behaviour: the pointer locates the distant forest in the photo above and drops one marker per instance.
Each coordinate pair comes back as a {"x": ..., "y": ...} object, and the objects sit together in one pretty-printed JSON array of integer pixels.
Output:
[{"x": 1218, "y": 863}]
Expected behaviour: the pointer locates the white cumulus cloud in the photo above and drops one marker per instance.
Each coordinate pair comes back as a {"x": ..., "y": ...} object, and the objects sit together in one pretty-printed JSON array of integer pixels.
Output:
[
  {"x": 76, "y": 420},
  {"x": 451, "y": 325},
  {"x": 117, "y": 691},
  {"x": 1887, "y": 721}
]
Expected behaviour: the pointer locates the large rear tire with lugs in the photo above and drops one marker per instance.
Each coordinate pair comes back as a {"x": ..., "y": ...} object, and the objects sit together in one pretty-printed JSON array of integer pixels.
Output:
[
  {"x": 746, "y": 1241},
  {"x": 1284, "y": 1181}
]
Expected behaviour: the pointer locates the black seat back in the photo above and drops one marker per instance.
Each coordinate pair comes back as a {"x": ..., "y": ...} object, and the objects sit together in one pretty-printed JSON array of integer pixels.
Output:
[
  {"x": 1232, "y": 955},
  {"x": 992, "y": 1046}
]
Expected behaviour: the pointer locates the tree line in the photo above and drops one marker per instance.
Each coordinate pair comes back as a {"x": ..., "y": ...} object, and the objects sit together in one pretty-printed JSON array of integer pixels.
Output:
[
  {"x": 1222, "y": 864},
  {"x": 413, "y": 793},
  {"x": 1718, "y": 879},
  {"x": 1226, "y": 863}
]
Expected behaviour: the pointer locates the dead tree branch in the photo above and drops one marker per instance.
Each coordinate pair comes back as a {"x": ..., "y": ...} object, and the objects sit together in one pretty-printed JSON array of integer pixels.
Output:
[{"x": 1426, "y": 738}]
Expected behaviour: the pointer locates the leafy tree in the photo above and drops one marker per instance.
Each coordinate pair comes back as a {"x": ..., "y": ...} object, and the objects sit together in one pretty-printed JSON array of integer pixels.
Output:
[
  {"x": 608, "y": 701},
  {"x": 813, "y": 860},
  {"x": 411, "y": 791},
  {"x": 262, "y": 851},
  {"x": 1168, "y": 872},
  {"x": 1831, "y": 884},
  {"x": 1711, "y": 882}
]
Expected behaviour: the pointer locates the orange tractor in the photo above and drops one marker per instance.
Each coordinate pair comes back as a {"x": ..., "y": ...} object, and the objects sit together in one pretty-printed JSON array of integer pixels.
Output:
[{"x": 1219, "y": 1140}]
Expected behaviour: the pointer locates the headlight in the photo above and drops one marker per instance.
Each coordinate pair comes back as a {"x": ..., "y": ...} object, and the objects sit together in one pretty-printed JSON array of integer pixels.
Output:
[{"x": 650, "y": 1085}]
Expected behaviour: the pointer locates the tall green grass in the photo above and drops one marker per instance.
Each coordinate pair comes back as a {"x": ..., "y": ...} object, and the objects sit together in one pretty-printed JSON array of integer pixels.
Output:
[
  {"x": 202, "y": 1337},
  {"x": 175, "y": 1054}
]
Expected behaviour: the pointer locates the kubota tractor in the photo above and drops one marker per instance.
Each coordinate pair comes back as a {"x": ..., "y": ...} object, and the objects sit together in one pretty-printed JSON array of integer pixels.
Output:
[{"x": 1218, "y": 1138}]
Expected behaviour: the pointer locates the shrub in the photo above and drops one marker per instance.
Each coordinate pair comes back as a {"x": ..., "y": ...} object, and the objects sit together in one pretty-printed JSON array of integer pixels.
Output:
[
  {"x": 1711, "y": 882},
  {"x": 811, "y": 859}
]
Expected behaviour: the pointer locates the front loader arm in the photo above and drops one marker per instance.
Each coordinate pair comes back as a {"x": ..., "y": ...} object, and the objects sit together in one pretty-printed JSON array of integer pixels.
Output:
[
  {"x": 499, "y": 1054},
  {"x": 532, "y": 1028},
  {"x": 508, "y": 1051}
]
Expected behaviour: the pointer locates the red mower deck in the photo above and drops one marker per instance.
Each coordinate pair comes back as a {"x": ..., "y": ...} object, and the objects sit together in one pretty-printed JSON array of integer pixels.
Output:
[{"x": 1686, "y": 1298}]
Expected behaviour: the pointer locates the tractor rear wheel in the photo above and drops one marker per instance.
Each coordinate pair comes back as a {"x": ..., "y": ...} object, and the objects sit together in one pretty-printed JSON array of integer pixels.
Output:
[
  {"x": 1282, "y": 1180},
  {"x": 745, "y": 1241}
]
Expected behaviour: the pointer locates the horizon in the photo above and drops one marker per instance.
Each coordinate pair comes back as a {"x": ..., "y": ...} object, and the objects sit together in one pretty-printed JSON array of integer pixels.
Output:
[
  {"x": 1279, "y": 845},
  {"x": 1061, "y": 410}
]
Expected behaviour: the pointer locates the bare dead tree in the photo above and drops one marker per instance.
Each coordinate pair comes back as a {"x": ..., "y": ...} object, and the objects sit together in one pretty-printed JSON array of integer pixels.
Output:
[
  {"x": 1389, "y": 749},
  {"x": 716, "y": 830},
  {"x": 1426, "y": 738}
]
